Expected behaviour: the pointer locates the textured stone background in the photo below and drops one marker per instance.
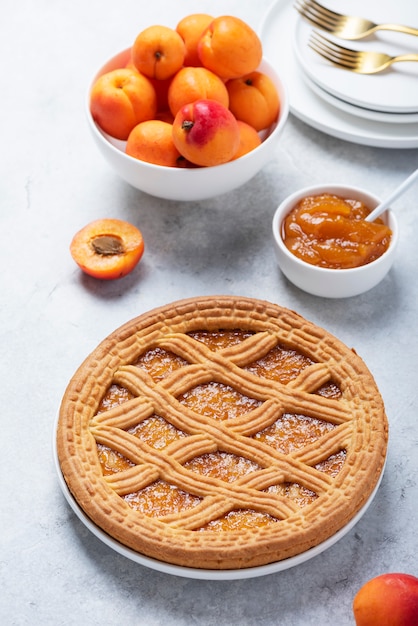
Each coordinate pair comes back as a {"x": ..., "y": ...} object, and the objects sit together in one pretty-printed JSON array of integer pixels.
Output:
[{"x": 53, "y": 570}]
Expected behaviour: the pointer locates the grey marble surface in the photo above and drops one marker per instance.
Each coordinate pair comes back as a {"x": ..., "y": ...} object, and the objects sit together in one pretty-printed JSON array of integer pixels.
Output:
[{"x": 53, "y": 182}]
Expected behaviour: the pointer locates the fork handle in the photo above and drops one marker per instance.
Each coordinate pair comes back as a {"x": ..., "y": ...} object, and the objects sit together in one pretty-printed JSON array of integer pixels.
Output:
[
  {"x": 398, "y": 28},
  {"x": 405, "y": 57}
]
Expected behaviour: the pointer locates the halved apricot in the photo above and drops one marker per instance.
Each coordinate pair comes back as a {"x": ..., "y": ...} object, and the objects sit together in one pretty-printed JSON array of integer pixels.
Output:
[{"x": 107, "y": 248}]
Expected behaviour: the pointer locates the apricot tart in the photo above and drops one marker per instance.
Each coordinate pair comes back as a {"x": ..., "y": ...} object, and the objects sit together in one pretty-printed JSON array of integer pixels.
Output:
[{"x": 220, "y": 433}]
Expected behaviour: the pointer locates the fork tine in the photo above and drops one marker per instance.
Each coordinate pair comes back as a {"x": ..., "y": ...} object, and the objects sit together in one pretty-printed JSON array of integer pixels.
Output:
[
  {"x": 318, "y": 14},
  {"x": 324, "y": 11},
  {"x": 331, "y": 59},
  {"x": 313, "y": 19},
  {"x": 332, "y": 53},
  {"x": 339, "y": 50}
]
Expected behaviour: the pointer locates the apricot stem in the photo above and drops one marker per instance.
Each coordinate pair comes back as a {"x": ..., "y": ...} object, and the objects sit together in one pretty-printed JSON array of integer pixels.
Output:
[
  {"x": 187, "y": 125},
  {"x": 107, "y": 245}
]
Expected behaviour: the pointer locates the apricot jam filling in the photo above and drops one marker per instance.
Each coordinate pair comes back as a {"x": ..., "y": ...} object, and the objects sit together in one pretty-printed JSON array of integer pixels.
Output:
[
  {"x": 220, "y": 402},
  {"x": 329, "y": 231}
]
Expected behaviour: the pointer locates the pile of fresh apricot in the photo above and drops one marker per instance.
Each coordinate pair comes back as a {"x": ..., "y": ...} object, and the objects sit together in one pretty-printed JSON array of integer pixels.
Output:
[{"x": 188, "y": 96}]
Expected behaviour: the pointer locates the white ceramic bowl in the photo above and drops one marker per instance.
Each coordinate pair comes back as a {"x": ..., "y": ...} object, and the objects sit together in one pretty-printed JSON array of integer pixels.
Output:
[
  {"x": 332, "y": 283},
  {"x": 195, "y": 183}
]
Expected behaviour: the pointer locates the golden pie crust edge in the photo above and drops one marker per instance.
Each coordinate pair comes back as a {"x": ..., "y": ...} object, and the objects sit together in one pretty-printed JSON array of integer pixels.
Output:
[{"x": 363, "y": 432}]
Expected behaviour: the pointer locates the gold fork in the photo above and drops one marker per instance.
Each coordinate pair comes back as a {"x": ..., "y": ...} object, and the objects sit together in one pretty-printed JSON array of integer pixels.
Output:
[
  {"x": 359, "y": 61},
  {"x": 344, "y": 26}
]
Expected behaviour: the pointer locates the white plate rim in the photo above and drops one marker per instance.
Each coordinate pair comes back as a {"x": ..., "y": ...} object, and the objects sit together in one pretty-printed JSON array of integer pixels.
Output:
[
  {"x": 367, "y": 114},
  {"x": 308, "y": 106},
  {"x": 197, "y": 573},
  {"x": 330, "y": 79}
]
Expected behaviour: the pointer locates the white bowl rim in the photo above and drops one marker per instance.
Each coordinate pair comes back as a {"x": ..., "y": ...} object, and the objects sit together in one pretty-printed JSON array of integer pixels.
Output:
[{"x": 332, "y": 188}]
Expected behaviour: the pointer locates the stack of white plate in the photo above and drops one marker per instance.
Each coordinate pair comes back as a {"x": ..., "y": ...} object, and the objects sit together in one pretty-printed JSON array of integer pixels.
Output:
[{"x": 378, "y": 110}]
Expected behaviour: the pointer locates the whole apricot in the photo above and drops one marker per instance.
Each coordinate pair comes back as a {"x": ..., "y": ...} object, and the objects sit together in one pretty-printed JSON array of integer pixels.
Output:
[
  {"x": 158, "y": 52},
  {"x": 191, "y": 28},
  {"x": 253, "y": 98},
  {"x": 121, "y": 99},
  {"x": 152, "y": 141},
  {"x": 387, "y": 600},
  {"x": 229, "y": 47},
  {"x": 248, "y": 139},
  {"x": 107, "y": 248},
  {"x": 206, "y": 133},
  {"x": 195, "y": 83}
]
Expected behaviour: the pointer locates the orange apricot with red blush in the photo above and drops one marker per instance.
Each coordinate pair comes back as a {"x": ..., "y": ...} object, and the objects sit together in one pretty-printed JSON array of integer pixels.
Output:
[
  {"x": 107, "y": 248},
  {"x": 390, "y": 599},
  {"x": 206, "y": 133}
]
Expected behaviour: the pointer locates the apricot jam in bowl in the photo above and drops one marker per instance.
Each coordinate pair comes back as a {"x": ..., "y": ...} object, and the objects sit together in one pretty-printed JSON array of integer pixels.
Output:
[{"x": 324, "y": 245}]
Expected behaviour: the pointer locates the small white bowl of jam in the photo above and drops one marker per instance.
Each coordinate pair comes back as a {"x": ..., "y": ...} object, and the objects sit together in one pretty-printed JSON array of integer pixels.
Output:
[{"x": 324, "y": 245}]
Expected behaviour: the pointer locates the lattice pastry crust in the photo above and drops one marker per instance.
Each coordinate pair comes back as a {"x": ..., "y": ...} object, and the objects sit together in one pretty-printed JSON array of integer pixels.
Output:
[{"x": 200, "y": 533}]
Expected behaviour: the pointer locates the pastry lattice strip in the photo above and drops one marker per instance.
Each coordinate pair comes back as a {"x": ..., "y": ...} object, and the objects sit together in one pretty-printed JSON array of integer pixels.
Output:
[
  {"x": 223, "y": 433},
  {"x": 230, "y": 436},
  {"x": 236, "y": 494},
  {"x": 224, "y": 371}
]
